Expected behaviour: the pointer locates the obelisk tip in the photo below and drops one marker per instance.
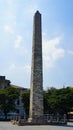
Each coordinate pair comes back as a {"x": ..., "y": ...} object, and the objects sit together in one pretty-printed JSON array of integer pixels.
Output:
[{"x": 37, "y": 12}]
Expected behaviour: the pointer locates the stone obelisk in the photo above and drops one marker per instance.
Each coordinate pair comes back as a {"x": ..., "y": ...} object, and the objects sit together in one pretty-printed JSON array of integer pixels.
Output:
[{"x": 36, "y": 88}]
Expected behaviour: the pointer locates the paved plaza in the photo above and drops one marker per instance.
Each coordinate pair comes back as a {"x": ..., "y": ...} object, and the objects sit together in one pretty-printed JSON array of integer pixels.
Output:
[{"x": 9, "y": 126}]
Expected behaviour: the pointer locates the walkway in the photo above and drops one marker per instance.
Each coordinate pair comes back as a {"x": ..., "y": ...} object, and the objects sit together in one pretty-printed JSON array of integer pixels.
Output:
[{"x": 9, "y": 126}]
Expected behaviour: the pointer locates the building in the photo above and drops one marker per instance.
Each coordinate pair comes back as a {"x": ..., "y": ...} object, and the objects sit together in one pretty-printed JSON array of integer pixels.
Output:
[
  {"x": 3, "y": 82},
  {"x": 19, "y": 105}
]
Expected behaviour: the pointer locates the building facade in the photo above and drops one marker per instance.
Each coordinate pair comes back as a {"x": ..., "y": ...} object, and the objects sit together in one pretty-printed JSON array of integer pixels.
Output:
[{"x": 18, "y": 103}]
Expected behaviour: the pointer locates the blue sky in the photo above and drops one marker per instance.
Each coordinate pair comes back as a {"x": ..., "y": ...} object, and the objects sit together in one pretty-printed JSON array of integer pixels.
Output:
[{"x": 16, "y": 25}]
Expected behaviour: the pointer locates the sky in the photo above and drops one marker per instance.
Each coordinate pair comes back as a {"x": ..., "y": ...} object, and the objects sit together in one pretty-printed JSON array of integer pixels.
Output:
[{"x": 16, "y": 26}]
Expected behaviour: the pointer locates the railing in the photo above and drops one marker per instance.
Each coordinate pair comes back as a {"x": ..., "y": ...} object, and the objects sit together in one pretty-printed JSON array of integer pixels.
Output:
[
  {"x": 53, "y": 118},
  {"x": 50, "y": 118}
]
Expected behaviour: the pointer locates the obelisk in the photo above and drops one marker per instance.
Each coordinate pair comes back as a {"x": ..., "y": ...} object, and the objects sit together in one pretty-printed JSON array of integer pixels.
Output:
[{"x": 36, "y": 87}]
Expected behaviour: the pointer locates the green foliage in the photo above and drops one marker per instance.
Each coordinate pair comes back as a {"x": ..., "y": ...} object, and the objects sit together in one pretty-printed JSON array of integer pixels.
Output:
[
  {"x": 25, "y": 99},
  {"x": 60, "y": 100},
  {"x": 45, "y": 102},
  {"x": 50, "y": 100},
  {"x": 55, "y": 100},
  {"x": 7, "y": 99}
]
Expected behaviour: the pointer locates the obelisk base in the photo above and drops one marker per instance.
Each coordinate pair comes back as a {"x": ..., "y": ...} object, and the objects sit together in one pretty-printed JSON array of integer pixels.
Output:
[{"x": 37, "y": 121}]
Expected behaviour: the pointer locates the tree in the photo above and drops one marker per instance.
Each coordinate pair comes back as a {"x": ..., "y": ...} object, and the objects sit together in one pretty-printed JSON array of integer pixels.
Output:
[
  {"x": 55, "y": 100},
  {"x": 65, "y": 99},
  {"x": 26, "y": 99},
  {"x": 60, "y": 100},
  {"x": 50, "y": 100},
  {"x": 7, "y": 99},
  {"x": 45, "y": 102}
]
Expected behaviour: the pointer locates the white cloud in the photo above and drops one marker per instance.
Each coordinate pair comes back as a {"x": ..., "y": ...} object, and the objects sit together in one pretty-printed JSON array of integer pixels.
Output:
[
  {"x": 8, "y": 29},
  {"x": 18, "y": 41},
  {"x": 14, "y": 67},
  {"x": 52, "y": 52},
  {"x": 27, "y": 67}
]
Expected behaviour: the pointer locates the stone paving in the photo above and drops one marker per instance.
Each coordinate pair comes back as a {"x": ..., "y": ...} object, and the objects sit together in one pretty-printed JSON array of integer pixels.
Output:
[{"x": 9, "y": 126}]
